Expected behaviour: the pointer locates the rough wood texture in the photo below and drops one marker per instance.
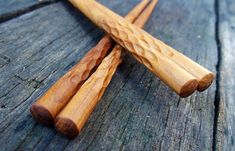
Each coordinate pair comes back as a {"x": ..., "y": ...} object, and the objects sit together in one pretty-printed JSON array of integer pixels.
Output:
[
  {"x": 137, "y": 112},
  {"x": 203, "y": 75},
  {"x": 146, "y": 49},
  {"x": 153, "y": 53},
  {"x": 226, "y": 95},
  {"x": 55, "y": 99},
  {"x": 75, "y": 114},
  {"x": 12, "y": 8},
  {"x": 73, "y": 117}
]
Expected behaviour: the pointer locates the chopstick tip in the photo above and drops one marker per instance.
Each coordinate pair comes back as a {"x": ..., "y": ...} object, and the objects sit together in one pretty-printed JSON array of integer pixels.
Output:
[
  {"x": 188, "y": 88},
  {"x": 41, "y": 114},
  {"x": 66, "y": 127},
  {"x": 205, "y": 82}
]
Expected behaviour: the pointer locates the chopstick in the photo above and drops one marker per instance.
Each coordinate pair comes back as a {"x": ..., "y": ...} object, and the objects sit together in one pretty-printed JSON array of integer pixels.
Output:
[
  {"x": 204, "y": 76},
  {"x": 72, "y": 118},
  {"x": 145, "y": 48},
  {"x": 46, "y": 108}
]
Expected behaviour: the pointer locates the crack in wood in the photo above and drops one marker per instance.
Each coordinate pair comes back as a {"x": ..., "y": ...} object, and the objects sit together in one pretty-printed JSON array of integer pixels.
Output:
[
  {"x": 218, "y": 69},
  {"x": 4, "y": 60},
  {"x": 21, "y": 11}
]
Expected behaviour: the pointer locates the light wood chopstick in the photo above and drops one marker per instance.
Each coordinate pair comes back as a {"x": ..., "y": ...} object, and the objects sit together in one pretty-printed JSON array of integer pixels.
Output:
[
  {"x": 145, "y": 48},
  {"x": 46, "y": 108},
  {"x": 73, "y": 117},
  {"x": 203, "y": 75}
]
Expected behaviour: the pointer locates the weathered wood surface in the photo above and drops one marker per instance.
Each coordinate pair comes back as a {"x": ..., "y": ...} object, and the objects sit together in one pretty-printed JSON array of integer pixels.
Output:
[
  {"x": 13, "y": 8},
  {"x": 137, "y": 111},
  {"x": 226, "y": 98}
]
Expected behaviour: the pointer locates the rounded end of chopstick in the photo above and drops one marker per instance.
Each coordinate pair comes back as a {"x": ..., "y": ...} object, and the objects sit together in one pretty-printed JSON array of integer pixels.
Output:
[
  {"x": 66, "y": 126},
  {"x": 41, "y": 114},
  {"x": 188, "y": 88},
  {"x": 205, "y": 82}
]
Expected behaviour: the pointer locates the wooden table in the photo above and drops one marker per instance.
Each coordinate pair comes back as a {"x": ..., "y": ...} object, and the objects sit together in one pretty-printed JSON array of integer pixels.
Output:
[{"x": 41, "y": 40}]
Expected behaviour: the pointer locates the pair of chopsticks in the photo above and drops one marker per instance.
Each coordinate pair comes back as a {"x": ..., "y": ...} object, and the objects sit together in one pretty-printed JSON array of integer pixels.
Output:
[
  {"x": 70, "y": 101},
  {"x": 179, "y": 72}
]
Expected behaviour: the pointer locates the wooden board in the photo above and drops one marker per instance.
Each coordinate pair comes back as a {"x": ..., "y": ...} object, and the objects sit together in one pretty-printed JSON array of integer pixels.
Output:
[
  {"x": 137, "y": 111},
  {"x": 13, "y": 8},
  {"x": 226, "y": 96}
]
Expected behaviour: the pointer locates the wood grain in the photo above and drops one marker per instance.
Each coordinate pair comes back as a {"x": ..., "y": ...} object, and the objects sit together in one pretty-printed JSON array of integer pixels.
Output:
[
  {"x": 225, "y": 130},
  {"x": 53, "y": 101},
  {"x": 76, "y": 113},
  {"x": 73, "y": 117},
  {"x": 13, "y": 8},
  {"x": 203, "y": 75},
  {"x": 50, "y": 104},
  {"x": 140, "y": 44}
]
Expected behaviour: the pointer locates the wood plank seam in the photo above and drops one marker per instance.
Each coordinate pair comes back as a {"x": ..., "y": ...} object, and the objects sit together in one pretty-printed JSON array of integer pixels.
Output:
[{"x": 217, "y": 101}]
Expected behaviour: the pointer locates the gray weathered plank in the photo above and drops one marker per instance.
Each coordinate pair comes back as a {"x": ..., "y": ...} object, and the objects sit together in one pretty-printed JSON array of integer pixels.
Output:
[
  {"x": 226, "y": 120},
  {"x": 137, "y": 111},
  {"x": 12, "y": 8}
]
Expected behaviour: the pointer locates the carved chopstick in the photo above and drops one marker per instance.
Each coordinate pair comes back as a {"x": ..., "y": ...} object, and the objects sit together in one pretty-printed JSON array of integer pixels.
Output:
[
  {"x": 46, "y": 108},
  {"x": 75, "y": 114},
  {"x": 176, "y": 70}
]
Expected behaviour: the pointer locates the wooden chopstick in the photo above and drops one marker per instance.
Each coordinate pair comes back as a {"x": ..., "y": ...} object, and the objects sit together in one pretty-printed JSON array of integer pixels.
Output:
[
  {"x": 46, "y": 108},
  {"x": 145, "y": 48},
  {"x": 75, "y": 114},
  {"x": 204, "y": 76}
]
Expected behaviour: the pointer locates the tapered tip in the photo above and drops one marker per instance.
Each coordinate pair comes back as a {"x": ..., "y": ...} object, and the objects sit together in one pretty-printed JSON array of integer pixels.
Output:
[
  {"x": 188, "y": 88},
  {"x": 41, "y": 114},
  {"x": 66, "y": 126},
  {"x": 205, "y": 82}
]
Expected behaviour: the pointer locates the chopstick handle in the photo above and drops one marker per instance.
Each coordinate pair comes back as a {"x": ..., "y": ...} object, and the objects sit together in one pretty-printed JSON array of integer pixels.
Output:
[
  {"x": 204, "y": 76},
  {"x": 139, "y": 43},
  {"x": 73, "y": 117},
  {"x": 47, "y": 107}
]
